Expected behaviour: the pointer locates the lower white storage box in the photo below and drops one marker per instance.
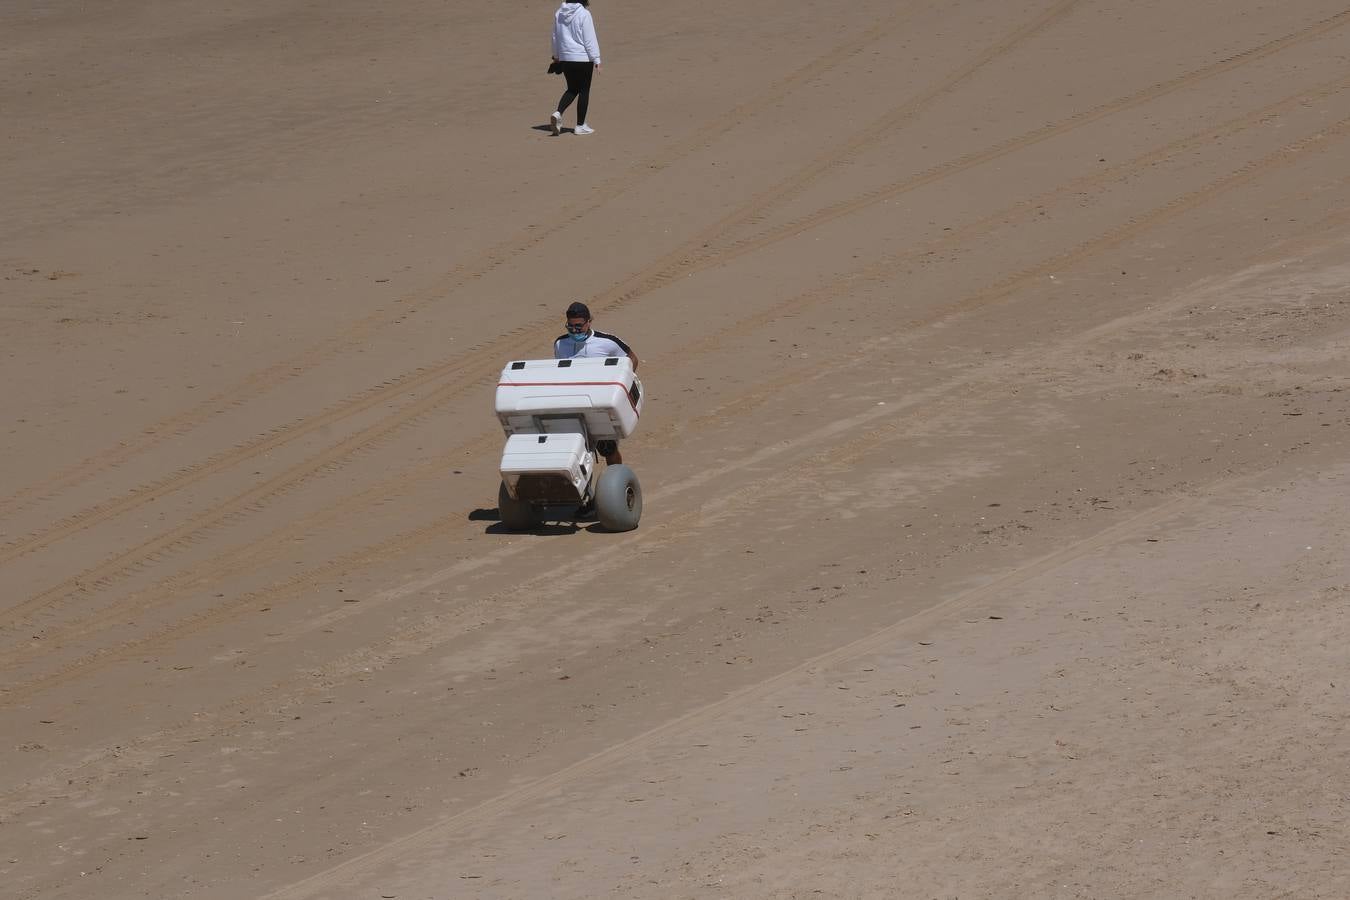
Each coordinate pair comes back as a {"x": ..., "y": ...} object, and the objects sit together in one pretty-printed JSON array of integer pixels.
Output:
[{"x": 547, "y": 468}]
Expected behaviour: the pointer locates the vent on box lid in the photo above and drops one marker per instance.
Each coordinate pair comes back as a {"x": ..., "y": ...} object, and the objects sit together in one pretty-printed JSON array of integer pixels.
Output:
[
  {"x": 611, "y": 360},
  {"x": 564, "y": 363},
  {"x": 517, "y": 365}
]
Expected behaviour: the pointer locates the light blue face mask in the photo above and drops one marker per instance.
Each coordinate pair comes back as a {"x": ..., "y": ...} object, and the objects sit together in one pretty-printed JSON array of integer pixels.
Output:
[{"x": 580, "y": 338}]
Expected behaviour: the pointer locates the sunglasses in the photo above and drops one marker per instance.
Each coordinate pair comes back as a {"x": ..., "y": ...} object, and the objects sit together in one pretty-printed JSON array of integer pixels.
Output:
[{"x": 577, "y": 327}]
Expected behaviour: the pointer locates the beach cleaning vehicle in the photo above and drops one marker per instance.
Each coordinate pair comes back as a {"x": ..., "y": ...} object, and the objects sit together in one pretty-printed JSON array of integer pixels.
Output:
[{"x": 555, "y": 412}]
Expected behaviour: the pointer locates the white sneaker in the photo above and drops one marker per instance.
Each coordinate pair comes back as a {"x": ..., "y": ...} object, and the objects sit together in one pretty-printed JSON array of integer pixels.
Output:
[
  {"x": 584, "y": 129},
  {"x": 555, "y": 122}
]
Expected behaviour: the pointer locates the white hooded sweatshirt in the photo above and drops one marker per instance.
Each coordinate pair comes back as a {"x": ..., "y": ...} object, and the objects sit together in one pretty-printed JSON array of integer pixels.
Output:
[{"x": 574, "y": 35}]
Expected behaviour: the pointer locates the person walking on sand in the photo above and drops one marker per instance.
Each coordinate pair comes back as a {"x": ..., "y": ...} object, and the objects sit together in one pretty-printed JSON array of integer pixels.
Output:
[{"x": 577, "y": 50}]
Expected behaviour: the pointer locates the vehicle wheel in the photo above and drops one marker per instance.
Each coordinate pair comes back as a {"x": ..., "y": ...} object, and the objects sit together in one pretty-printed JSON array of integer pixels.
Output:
[
  {"x": 517, "y": 515},
  {"x": 618, "y": 499}
]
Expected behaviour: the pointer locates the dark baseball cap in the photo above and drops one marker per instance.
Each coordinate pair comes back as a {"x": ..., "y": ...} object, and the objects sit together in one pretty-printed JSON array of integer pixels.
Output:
[{"x": 578, "y": 310}]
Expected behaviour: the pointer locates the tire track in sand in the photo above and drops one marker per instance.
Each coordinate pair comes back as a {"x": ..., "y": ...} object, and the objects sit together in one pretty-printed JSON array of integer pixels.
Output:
[
  {"x": 151, "y": 551},
  {"x": 263, "y": 381},
  {"x": 709, "y": 255},
  {"x": 258, "y": 552},
  {"x": 828, "y": 450},
  {"x": 228, "y": 718},
  {"x": 406, "y": 481},
  {"x": 695, "y": 256},
  {"x": 148, "y": 552},
  {"x": 891, "y": 266}
]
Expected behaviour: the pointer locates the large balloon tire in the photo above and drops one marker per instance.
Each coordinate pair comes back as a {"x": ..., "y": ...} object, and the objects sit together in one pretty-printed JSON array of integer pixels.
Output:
[
  {"x": 618, "y": 499},
  {"x": 516, "y": 515}
]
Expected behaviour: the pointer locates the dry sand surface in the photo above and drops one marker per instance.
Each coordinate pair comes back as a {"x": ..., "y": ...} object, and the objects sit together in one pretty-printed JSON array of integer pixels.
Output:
[{"x": 996, "y": 456}]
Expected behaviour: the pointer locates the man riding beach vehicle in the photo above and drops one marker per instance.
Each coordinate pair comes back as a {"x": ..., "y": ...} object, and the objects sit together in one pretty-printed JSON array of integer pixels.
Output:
[{"x": 582, "y": 341}]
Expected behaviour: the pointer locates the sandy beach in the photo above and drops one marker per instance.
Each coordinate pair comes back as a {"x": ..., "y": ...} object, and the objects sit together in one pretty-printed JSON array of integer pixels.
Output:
[{"x": 995, "y": 455}]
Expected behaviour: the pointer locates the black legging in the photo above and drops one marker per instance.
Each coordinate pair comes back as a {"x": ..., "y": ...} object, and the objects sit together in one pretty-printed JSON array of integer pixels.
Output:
[{"x": 578, "y": 75}]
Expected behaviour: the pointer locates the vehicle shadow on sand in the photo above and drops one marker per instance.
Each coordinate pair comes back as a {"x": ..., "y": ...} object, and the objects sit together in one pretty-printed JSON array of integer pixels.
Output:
[{"x": 550, "y": 527}]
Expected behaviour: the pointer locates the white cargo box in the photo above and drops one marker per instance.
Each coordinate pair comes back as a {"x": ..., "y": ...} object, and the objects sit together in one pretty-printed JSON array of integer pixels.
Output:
[
  {"x": 547, "y": 467},
  {"x": 534, "y": 395}
]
